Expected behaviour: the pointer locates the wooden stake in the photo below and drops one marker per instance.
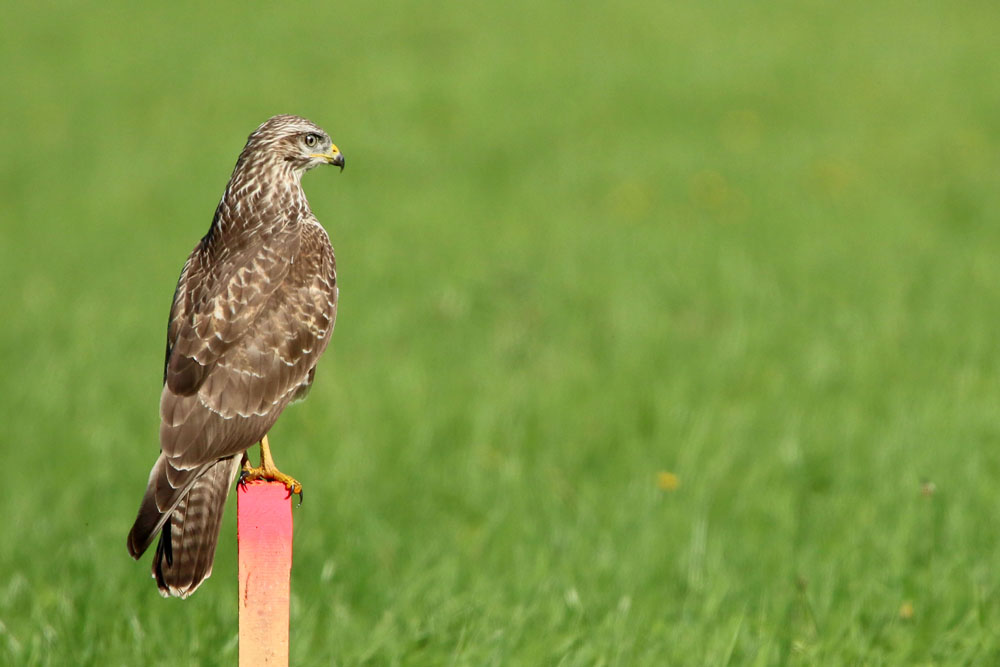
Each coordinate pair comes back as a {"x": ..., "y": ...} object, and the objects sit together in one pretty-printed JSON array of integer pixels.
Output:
[{"x": 264, "y": 534}]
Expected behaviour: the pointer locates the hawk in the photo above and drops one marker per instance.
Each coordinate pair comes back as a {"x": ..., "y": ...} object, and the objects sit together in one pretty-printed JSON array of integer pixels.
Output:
[{"x": 253, "y": 311}]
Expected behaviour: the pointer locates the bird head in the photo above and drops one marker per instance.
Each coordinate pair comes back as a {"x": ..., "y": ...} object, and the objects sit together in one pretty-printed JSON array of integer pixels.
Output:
[{"x": 295, "y": 141}]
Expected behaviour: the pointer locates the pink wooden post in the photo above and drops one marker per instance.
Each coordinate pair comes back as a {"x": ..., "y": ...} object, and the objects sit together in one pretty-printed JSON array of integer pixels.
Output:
[{"x": 264, "y": 534}]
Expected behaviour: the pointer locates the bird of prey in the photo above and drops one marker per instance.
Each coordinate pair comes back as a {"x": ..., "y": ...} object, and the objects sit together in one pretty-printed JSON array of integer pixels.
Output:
[{"x": 253, "y": 311}]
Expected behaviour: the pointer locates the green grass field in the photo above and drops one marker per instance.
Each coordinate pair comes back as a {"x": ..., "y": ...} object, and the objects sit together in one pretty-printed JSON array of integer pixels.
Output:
[{"x": 580, "y": 245}]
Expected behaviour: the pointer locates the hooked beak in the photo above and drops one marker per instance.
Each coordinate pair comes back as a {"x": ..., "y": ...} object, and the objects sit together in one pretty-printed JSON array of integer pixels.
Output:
[{"x": 334, "y": 157}]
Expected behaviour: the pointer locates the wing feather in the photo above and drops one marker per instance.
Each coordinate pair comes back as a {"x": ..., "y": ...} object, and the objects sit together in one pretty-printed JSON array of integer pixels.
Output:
[{"x": 253, "y": 365}]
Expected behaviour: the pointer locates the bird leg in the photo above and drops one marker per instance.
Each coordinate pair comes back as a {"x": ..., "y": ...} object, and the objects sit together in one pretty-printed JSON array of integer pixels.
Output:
[{"x": 268, "y": 471}]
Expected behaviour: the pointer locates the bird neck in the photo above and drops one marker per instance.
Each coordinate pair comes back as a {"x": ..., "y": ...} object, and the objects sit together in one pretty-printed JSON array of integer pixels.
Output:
[{"x": 262, "y": 197}]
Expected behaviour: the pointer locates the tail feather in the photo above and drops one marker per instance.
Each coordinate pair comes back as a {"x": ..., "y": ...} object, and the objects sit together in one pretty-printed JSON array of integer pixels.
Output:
[
  {"x": 186, "y": 550},
  {"x": 161, "y": 497},
  {"x": 188, "y": 527}
]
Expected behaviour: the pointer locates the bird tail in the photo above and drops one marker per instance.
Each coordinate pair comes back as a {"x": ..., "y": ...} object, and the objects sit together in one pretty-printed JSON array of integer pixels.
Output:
[{"x": 193, "y": 503}]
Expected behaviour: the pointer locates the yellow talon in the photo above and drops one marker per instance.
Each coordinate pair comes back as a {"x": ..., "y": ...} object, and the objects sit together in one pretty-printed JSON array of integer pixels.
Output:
[{"x": 268, "y": 471}]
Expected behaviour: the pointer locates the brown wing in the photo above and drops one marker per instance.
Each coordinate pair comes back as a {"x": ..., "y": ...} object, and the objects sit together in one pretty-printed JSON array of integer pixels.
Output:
[
  {"x": 243, "y": 354},
  {"x": 221, "y": 292},
  {"x": 243, "y": 341}
]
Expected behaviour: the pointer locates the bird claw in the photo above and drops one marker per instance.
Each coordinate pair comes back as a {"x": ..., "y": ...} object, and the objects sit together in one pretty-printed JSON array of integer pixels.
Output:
[
  {"x": 268, "y": 472},
  {"x": 251, "y": 474}
]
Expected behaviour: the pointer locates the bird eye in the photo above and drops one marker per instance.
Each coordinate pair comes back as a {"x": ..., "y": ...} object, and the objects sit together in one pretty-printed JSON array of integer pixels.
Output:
[{"x": 311, "y": 140}]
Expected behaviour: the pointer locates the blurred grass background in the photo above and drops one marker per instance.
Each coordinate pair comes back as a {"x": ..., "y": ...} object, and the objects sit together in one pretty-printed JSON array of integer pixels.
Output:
[{"x": 581, "y": 245}]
